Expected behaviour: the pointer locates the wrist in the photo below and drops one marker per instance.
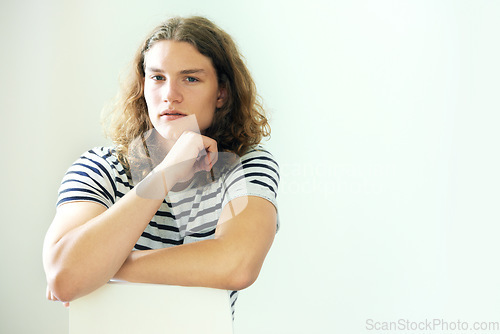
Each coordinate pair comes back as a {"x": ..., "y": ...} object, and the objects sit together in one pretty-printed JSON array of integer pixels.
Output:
[{"x": 155, "y": 185}]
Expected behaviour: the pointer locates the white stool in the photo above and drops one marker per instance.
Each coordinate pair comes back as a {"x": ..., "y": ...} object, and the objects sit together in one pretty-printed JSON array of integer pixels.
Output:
[{"x": 124, "y": 308}]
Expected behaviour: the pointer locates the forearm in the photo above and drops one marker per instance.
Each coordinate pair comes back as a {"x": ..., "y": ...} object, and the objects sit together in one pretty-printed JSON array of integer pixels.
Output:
[
  {"x": 81, "y": 259},
  {"x": 230, "y": 261},
  {"x": 89, "y": 255},
  {"x": 208, "y": 263}
]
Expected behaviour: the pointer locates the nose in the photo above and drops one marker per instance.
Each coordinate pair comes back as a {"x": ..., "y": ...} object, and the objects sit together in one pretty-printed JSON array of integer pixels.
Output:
[{"x": 171, "y": 92}]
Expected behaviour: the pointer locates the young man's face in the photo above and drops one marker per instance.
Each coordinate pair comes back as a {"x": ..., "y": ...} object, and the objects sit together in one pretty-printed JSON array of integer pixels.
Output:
[{"x": 179, "y": 81}]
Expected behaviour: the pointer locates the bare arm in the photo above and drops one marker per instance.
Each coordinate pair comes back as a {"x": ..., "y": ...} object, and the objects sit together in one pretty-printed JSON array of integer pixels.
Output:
[
  {"x": 87, "y": 244},
  {"x": 232, "y": 260}
]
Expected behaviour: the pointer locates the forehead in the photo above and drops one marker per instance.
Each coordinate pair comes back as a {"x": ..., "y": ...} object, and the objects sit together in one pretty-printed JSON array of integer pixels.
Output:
[{"x": 174, "y": 55}]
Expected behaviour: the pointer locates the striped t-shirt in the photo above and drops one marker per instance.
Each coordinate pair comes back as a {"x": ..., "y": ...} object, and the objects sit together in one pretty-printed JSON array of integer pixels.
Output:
[{"x": 184, "y": 217}]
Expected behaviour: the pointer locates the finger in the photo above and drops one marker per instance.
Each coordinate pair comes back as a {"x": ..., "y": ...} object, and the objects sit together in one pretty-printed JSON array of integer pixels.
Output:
[
  {"x": 212, "y": 153},
  {"x": 211, "y": 159},
  {"x": 48, "y": 294},
  {"x": 209, "y": 144}
]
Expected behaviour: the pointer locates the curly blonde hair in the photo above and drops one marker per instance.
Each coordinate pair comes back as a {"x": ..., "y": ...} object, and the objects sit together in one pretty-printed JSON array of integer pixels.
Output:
[{"x": 237, "y": 126}]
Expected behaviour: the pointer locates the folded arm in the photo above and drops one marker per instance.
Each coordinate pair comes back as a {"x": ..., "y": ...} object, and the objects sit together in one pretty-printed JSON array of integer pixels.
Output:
[
  {"x": 87, "y": 244},
  {"x": 232, "y": 260}
]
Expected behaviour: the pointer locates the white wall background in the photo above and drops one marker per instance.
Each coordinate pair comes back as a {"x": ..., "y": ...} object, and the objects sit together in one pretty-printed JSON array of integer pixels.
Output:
[{"x": 385, "y": 120}]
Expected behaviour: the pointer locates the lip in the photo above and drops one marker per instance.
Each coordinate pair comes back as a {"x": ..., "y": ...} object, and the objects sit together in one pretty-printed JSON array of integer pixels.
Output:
[{"x": 171, "y": 115}]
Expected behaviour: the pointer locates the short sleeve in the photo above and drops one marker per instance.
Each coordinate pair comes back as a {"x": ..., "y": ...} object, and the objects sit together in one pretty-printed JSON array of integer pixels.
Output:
[
  {"x": 257, "y": 175},
  {"x": 90, "y": 178}
]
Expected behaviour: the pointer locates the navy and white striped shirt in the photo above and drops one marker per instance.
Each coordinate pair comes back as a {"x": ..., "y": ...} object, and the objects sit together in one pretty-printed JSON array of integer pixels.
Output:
[{"x": 186, "y": 216}]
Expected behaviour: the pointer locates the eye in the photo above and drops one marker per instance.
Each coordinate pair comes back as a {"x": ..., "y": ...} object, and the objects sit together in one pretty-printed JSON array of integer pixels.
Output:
[
  {"x": 158, "y": 77},
  {"x": 191, "y": 79}
]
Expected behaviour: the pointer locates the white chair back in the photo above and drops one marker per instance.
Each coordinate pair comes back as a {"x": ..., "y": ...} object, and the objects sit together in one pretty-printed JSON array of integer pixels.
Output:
[{"x": 124, "y": 308}]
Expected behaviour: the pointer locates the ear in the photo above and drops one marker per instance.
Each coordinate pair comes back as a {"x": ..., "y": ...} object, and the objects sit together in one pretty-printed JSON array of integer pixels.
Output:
[{"x": 221, "y": 97}]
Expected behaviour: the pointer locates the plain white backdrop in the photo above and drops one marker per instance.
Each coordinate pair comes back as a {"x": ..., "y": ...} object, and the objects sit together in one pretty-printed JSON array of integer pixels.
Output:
[{"x": 385, "y": 119}]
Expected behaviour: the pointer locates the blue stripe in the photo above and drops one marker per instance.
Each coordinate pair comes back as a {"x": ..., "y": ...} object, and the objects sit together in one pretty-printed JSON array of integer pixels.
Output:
[
  {"x": 261, "y": 166},
  {"x": 264, "y": 185},
  {"x": 149, "y": 236},
  {"x": 95, "y": 170},
  {"x": 77, "y": 190},
  {"x": 260, "y": 158},
  {"x": 164, "y": 227},
  {"x": 111, "y": 179},
  {"x": 202, "y": 235},
  {"x": 204, "y": 226},
  {"x": 103, "y": 194},
  {"x": 165, "y": 214},
  {"x": 104, "y": 190},
  {"x": 263, "y": 175},
  {"x": 212, "y": 194},
  {"x": 81, "y": 198},
  {"x": 125, "y": 183},
  {"x": 141, "y": 247},
  {"x": 203, "y": 212}
]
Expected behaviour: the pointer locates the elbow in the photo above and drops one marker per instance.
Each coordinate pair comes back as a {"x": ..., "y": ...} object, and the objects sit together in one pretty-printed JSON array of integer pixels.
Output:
[
  {"x": 62, "y": 286},
  {"x": 241, "y": 269},
  {"x": 68, "y": 285},
  {"x": 242, "y": 277},
  {"x": 60, "y": 282}
]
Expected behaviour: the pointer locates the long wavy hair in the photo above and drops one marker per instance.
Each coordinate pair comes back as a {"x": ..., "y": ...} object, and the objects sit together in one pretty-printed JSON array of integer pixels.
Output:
[{"x": 237, "y": 126}]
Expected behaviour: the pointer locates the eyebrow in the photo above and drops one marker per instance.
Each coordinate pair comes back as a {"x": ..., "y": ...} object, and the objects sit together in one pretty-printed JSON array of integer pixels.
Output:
[
  {"x": 183, "y": 72},
  {"x": 193, "y": 71}
]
